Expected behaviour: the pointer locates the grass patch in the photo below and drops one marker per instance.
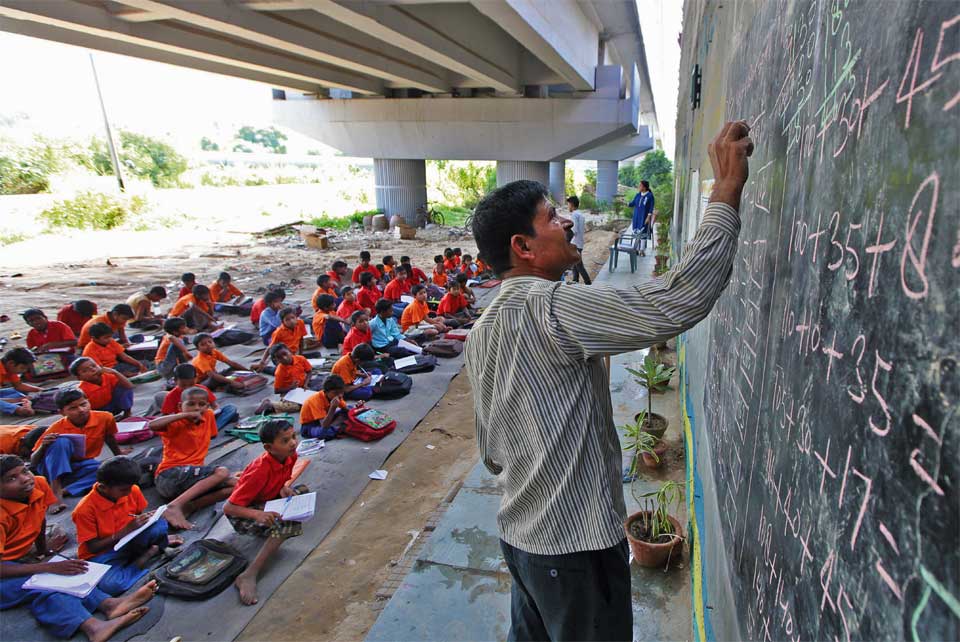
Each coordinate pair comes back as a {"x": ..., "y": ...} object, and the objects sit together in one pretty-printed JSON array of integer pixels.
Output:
[
  {"x": 92, "y": 211},
  {"x": 9, "y": 238},
  {"x": 453, "y": 215},
  {"x": 341, "y": 223}
]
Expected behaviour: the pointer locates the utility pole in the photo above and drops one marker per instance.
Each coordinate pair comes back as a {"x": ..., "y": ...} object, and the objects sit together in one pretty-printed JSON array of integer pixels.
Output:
[{"x": 106, "y": 125}]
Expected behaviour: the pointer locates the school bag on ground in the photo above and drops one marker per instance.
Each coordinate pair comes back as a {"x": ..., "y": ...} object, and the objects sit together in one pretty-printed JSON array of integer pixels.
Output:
[
  {"x": 425, "y": 363},
  {"x": 367, "y": 424},
  {"x": 393, "y": 385},
  {"x": 232, "y": 338},
  {"x": 201, "y": 570},
  {"x": 46, "y": 400},
  {"x": 460, "y": 334},
  {"x": 444, "y": 348},
  {"x": 50, "y": 365},
  {"x": 251, "y": 382},
  {"x": 133, "y": 436}
]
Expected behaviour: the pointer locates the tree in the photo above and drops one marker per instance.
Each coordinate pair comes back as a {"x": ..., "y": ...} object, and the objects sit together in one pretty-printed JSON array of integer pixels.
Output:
[
  {"x": 654, "y": 167},
  {"x": 208, "y": 145},
  {"x": 270, "y": 139},
  {"x": 141, "y": 156},
  {"x": 627, "y": 175}
]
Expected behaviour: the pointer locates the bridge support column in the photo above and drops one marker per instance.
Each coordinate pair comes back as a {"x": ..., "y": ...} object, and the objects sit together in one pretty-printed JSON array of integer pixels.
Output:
[
  {"x": 508, "y": 171},
  {"x": 401, "y": 186},
  {"x": 558, "y": 188},
  {"x": 607, "y": 181}
]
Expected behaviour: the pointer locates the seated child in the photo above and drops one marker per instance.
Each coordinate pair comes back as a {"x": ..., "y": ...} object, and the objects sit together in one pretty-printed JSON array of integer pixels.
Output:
[
  {"x": 365, "y": 267},
  {"x": 105, "y": 350},
  {"x": 173, "y": 350},
  {"x": 46, "y": 335},
  {"x": 19, "y": 440},
  {"x": 465, "y": 289},
  {"x": 359, "y": 331},
  {"x": 324, "y": 412},
  {"x": 290, "y": 333},
  {"x": 53, "y": 455},
  {"x": 327, "y": 326},
  {"x": 453, "y": 305},
  {"x": 13, "y": 392},
  {"x": 338, "y": 273},
  {"x": 116, "y": 318},
  {"x": 292, "y": 371},
  {"x": 224, "y": 291},
  {"x": 105, "y": 388},
  {"x": 356, "y": 380},
  {"x": 111, "y": 510},
  {"x": 189, "y": 280},
  {"x": 323, "y": 287},
  {"x": 439, "y": 274},
  {"x": 24, "y": 546},
  {"x": 206, "y": 364},
  {"x": 196, "y": 309},
  {"x": 349, "y": 304},
  {"x": 469, "y": 268},
  {"x": 269, "y": 319},
  {"x": 369, "y": 293},
  {"x": 185, "y": 376},
  {"x": 397, "y": 287},
  {"x": 485, "y": 270},
  {"x": 267, "y": 477},
  {"x": 449, "y": 261},
  {"x": 419, "y": 312},
  {"x": 389, "y": 267},
  {"x": 182, "y": 478},
  {"x": 415, "y": 275},
  {"x": 142, "y": 305},
  {"x": 386, "y": 331},
  {"x": 458, "y": 256},
  {"x": 76, "y": 314}
]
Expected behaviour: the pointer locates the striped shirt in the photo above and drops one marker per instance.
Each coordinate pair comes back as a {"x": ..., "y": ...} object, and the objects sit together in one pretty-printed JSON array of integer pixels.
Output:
[{"x": 542, "y": 392}]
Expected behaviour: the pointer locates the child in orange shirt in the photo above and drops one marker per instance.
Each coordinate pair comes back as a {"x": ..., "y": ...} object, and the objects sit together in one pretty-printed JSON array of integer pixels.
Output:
[
  {"x": 53, "y": 455},
  {"x": 348, "y": 368},
  {"x": 19, "y": 440},
  {"x": 196, "y": 309},
  {"x": 116, "y": 318},
  {"x": 105, "y": 388},
  {"x": 268, "y": 477},
  {"x": 173, "y": 350},
  {"x": 389, "y": 267},
  {"x": 292, "y": 370},
  {"x": 182, "y": 476},
  {"x": 349, "y": 303},
  {"x": 110, "y": 511},
  {"x": 327, "y": 326},
  {"x": 206, "y": 364},
  {"x": 224, "y": 291},
  {"x": 105, "y": 350},
  {"x": 13, "y": 392},
  {"x": 453, "y": 305},
  {"x": 418, "y": 312},
  {"x": 290, "y": 333},
  {"x": 324, "y": 412},
  {"x": 482, "y": 266},
  {"x": 324, "y": 286},
  {"x": 439, "y": 274},
  {"x": 189, "y": 280}
]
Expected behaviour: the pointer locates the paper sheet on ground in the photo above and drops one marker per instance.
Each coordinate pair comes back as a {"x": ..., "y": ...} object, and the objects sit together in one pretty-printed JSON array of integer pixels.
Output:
[
  {"x": 378, "y": 474},
  {"x": 317, "y": 363},
  {"x": 298, "y": 395},
  {"x": 412, "y": 347},
  {"x": 296, "y": 508},
  {"x": 406, "y": 361},
  {"x": 130, "y": 426},
  {"x": 150, "y": 522},
  {"x": 76, "y": 585},
  {"x": 149, "y": 344},
  {"x": 217, "y": 333}
]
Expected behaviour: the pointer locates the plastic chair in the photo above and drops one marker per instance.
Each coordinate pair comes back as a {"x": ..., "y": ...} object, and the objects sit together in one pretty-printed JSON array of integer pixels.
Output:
[{"x": 628, "y": 243}]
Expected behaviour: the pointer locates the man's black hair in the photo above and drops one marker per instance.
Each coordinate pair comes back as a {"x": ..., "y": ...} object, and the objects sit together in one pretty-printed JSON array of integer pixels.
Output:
[
  {"x": 118, "y": 471},
  {"x": 322, "y": 280},
  {"x": 324, "y": 302},
  {"x": 74, "y": 367},
  {"x": 185, "y": 371},
  {"x": 32, "y": 312},
  {"x": 383, "y": 305},
  {"x": 124, "y": 309},
  {"x": 200, "y": 337},
  {"x": 8, "y": 463},
  {"x": 333, "y": 382},
  {"x": 364, "y": 255},
  {"x": 98, "y": 330},
  {"x": 158, "y": 290},
  {"x": 574, "y": 200},
  {"x": 645, "y": 184},
  {"x": 67, "y": 396},
  {"x": 19, "y": 356},
  {"x": 173, "y": 324},
  {"x": 270, "y": 430},
  {"x": 366, "y": 278},
  {"x": 84, "y": 307},
  {"x": 363, "y": 352},
  {"x": 186, "y": 277},
  {"x": 501, "y": 214},
  {"x": 356, "y": 316},
  {"x": 275, "y": 351}
]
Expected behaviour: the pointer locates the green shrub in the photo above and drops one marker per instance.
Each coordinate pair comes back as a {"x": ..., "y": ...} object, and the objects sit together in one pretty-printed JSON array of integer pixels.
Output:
[
  {"x": 587, "y": 201},
  {"x": 142, "y": 156},
  {"x": 342, "y": 222},
  {"x": 27, "y": 169},
  {"x": 92, "y": 211},
  {"x": 255, "y": 181},
  {"x": 453, "y": 215}
]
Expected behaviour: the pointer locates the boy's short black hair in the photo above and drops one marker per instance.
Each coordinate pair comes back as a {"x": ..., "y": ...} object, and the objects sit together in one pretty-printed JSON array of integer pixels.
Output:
[
  {"x": 333, "y": 382},
  {"x": 403, "y": 268},
  {"x": 124, "y": 309},
  {"x": 323, "y": 279},
  {"x": 501, "y": 214},
  {"x": 356, "y": 316},
  {"x": 67, "y": 396},
  {"x": 75, "y": 366},
  {"x": 8, "y": 463},
  {"x": 438, "y": 258},
  {"x": 366, "y": 278},
  {"x": 454, "y": 284},
  {"x": 343, "y": 291},
  {"x": 338, "y": 264},
  {"x": 186, "y": 277},
  {"x": 457, "y": 251},
  {"x": 195, "y": 391},
  {"x": 417, "y": 289},
  {"x": 270, "y": 430},
  {"x": 32, "y": 312},
  {"x": 363, "y": 352},
  {"x": 173, "y": 324},
  {"x": 448, "y": 253},
  {"x": 98, "y": 330},
  {"x": 404, "y": 259},
  {"x": 158, "y": 290},
  {"x": 275, "y": 351},
  {"x": 272, "y": 296},
  {"x": 118, "y": 471},
  {"x": 383, "y": 305},
  {"x": 387, "y": 259},
  {"x": 84, "y": 307},
  {"x": 324, "y": 302},
  {"x": 200, "y": 337},
  {"x": 574, "y": 200},
  {"x": 19, "y": 356},
  {"x": 288, "y": 310},
  {"x": 364, "y": 255},
  {"x": 185, "y": 371},
  {"x": 461, "y": 278},
  {"x": 467, "y": 257},
  {"x": 224, "y": 276},
  {"x": 200, "y": 290}
]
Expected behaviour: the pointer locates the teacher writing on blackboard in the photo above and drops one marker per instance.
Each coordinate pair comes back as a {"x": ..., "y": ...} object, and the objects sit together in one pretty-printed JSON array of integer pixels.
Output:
[{"x": 544, "y": 416}]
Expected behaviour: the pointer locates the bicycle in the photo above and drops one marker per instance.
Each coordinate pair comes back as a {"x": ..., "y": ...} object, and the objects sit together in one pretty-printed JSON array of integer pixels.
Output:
[{"x": 426, "y": 216}]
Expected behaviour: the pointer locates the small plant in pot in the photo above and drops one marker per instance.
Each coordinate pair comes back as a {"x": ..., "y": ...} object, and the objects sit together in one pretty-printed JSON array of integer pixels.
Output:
[
  {"x": 655, "y": 377},
  {"x": 646, "y": 447},
  {"x": 655, "y": 536}
]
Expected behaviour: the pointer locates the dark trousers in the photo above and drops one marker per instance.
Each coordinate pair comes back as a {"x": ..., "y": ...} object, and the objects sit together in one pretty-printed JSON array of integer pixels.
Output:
[
  {"x": 577, "y": 596},
  {"x": 579, "y": 269}
]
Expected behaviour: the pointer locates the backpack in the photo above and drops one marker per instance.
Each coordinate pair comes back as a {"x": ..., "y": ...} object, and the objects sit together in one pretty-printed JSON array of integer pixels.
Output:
[
  {"x": 243, "y": 309},
  {"x": 232, "y": 338},
  {"x": 50, "y": 365},
  {"x": 134, "y": 436},
  {"x": 45, "y": 401},
  {"x": 459, "y": 334},
  {"x": 425, "y": 363},
  {"x": 398, "y": 309},
  {"x": 444, "y": 348},
  {"x": 249, "y": 429},
  {"x": 251, "y": 381},
  {"x": 393, "y": 385},
  {"x": 201, "y": 570},
  {"x": 367, "y": 424}
]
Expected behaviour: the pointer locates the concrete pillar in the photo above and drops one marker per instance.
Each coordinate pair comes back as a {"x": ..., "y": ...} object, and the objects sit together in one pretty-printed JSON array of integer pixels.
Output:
[
  {"x": 558, "y": 187},
  {"x": 401, "y": 186},
  {"x": 508, "y": 171},
  {"x": 607, "y": 181}
]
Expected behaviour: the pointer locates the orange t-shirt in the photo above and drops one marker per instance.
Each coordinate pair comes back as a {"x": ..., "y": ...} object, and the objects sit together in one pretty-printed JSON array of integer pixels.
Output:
[
  {"x": 10, "y": 438},
  {"x": 450, "y": 265},
  {"x": 166, "y": 343},
  {"x": 450, "y": 304},
  {"x": 318, "y": 292},
  {"x": 220, "y": 294},
  {"x": 8, "y": 377},
  {"x": 100, "y": 395},
  {"x": 205, "y": 363},
  {"x": 292, "y": 376},
  {"x": 355, "y": 338},
  {"x": 316, "y": 407},
  {"x": 96, "y": 517},
  {"x": 318, "y": 323},
  {"x": 482, "y": 266},
  {"x": 347, "y": 308},
  {"x": 99, "y": 426},
  {"x": 288, "y": 337},
  {"x": 184, "y": 302},
  {"x": 413, "y": 314},
  {"x": 440, "y": 278},
  {"x": 106, "y": 355},
  {"x": 102, "y": 318},
  {"x": 186, "y": 443},
  {"x": 346, "y": 369},
  {"x": 20, "y": 522}
]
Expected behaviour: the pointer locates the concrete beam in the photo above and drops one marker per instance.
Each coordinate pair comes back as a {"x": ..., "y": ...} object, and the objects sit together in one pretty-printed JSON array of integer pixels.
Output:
[
  {"x": 273, "y": 31},
  {"x": 188, "y": 43},
  {"x": 555, "y": 31}
]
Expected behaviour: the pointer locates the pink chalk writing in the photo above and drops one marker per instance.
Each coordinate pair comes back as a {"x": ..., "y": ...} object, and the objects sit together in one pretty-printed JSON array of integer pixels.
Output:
[{"x": 919, "y": 263}]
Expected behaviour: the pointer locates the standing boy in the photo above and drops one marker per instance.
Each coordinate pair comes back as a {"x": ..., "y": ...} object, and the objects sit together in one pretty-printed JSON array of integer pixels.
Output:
[
  {"x": 579, "y": 230},
  {"x": 46, "y": 335},
  {"x": 105, "y": 388}
]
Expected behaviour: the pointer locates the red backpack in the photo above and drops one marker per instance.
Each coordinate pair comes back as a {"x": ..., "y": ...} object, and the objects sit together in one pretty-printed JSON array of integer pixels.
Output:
[{"x": 367, "y": 424}]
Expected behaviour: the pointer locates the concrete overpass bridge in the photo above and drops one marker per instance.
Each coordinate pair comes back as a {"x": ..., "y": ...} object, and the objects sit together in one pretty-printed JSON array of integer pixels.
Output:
[{"x": 527, "y": 83}]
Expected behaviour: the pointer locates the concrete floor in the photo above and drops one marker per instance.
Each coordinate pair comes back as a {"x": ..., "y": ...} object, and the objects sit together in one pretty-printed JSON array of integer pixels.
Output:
[{"x": 459, "y": 587}]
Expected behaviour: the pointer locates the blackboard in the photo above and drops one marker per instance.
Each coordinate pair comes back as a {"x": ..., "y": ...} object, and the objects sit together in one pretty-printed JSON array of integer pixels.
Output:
[{"x": 832, "y": 383}]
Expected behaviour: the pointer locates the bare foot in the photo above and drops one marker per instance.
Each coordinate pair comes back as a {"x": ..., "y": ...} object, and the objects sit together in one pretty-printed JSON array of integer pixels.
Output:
[
  {"x": 175, "y": 518},
  {"x": 56, "y": 508},
  {"x": 100, "y": 631},
  {"x": 247, "y": 587},
  {"x": 175, "y": 540},
  {"x": 117, "y": 606},
  {"x": 146, "y": 556}
]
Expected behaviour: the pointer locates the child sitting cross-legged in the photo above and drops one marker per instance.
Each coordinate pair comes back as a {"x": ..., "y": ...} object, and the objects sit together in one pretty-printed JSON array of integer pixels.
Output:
[
  {"x": 182, "y": 478},
  {"x": 185, "y": 377},
  {"x": 324, "y": 412},
  {"x": 206, "y": 364},
  {"x": 46, "y": 335},
  {"x": 453, "y": 306},
  {"x": 419, "y": 312},
  {"x": 386, "y": 331},
  {"x": 356, "y": 380},
  {"x": 173, "y": 350},
  {"x": 439, "y": 274},
  {"x": 349, "y": 304},
  {"x": 269, "y": 476},
  {"x": 106, "y": 389},
  {"x": 290, "y": 333},
  {"x": 107, "y": 352},
  {"x": 112, "y": 510},
  {"x": 13, "y": 392},
  {"x": 292, "y": 371},
  {"x": 224, "y": 291},
  {"x": 327, "y": 325},
  {"x": 24, "y": 551}
]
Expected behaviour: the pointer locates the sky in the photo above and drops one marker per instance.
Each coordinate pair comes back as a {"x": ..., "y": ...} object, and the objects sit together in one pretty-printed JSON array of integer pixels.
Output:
[{"x": 56, "y": 94}]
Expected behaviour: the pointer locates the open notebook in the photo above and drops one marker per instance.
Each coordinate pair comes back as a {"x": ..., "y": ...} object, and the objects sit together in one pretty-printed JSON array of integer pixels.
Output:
[
  {"x": 76, "y": 585},
  {"x": 297, "y": 508}
]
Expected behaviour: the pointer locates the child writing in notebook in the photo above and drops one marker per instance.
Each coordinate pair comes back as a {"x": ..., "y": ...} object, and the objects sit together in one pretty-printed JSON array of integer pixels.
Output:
[
  {"x": 206, "y": 364},
  {"x": 292, "y": 370},
  {"x": 105, "y": 350},
  {"x": 173, "y": 349},
  {"x": 324, "y": 412},
  {"x": 142, "y": 305},
  {"x": 268, "y": 477},
  {"x": 357, "y": 381},
  {"x": 224, "y": 291},
  {"x": 106, "y": 389},
  {"x": 196, "y": 309}
]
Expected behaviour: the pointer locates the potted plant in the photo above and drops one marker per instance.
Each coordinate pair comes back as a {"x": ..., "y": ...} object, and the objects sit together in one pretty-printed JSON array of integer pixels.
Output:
[
  {"x": 646, "y": 447},
  {"x": 663, "y": 249},
  {"x": 655, "y": 536},
  {"x": 655, "y": 377}
]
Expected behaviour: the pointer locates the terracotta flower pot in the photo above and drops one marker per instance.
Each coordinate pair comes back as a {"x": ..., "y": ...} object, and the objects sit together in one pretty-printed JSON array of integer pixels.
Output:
[
  {"x": 658, "y": 427},
  {"x": 655, "y": 462},
  {"x": 651, "y": 555}
]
